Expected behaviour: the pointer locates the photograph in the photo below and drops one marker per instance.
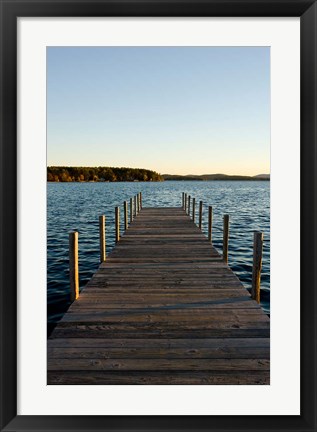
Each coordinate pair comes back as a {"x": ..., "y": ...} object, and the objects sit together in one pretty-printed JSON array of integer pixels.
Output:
[{"x": 158, "y": 215}]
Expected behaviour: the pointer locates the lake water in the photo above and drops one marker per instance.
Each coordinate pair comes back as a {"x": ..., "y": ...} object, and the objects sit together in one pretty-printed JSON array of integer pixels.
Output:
[{"x": 77, "y": 206}]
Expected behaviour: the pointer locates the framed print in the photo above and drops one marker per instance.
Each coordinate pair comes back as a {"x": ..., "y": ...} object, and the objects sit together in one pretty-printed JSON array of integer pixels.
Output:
[{"x": 90, "y": 86}]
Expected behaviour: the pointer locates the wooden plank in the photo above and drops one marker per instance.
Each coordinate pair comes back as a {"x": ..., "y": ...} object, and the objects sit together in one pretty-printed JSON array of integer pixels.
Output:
[
  {"x": 159, "y": 378},
  {"x": 150, "y": 353},
  {"x": 212, "y": 317},
  {"x": 148, "y": 331},
  {"x": 146, "y": 306},
  {"x": 133, "y": 295},
  {"x": 158, "y": 364},
  {"x": 163, "y": 287},
  {"x": 183, "y": 269},
  {"x": 210, "y": 343}
]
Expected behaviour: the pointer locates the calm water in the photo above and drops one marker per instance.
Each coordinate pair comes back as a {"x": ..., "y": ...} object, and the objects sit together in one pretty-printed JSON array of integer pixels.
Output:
[{"x": 77, "y": 206}]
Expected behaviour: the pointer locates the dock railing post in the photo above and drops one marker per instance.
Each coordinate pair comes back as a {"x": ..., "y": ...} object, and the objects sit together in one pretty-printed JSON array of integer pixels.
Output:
[
  {"x": 210, "y": 224},
  {"x": 194, "y": 209},
  {"x": 225, "y": 238},
  {"x": 200, "y": 214},
  {"x": 188, "y": 205},
  {"x": 117, "y": 220},
  {"x": 125, "y": 206},
  {"x": 73, "y": 266},
  {"x": 131, "y": 210},
  {"x": 140, "y": 200},
  {"x": 102, "y": 237},
  {"x": 185, "y": 207},
  {"x": 257, "y": 265},
  {"x": 135, "y": 209},
  {"x": 183, "y": 199}
]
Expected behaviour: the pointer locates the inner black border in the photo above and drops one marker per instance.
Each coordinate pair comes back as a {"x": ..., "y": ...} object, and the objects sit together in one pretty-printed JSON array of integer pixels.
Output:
[{"x": 10, "y": 10}]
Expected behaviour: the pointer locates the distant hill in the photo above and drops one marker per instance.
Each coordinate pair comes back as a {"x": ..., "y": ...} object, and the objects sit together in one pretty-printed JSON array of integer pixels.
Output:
[
  {"x": 263, "y": 176},
  {"x": 100, "y": 174},
  {"x": 206, "y": 177}
]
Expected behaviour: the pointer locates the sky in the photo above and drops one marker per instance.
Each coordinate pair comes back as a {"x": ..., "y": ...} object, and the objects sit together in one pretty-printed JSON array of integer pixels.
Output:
[{"x": 174, "y": 110}]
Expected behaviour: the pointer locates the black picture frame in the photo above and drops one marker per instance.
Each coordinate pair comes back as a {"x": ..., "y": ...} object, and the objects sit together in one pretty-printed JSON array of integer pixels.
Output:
[{"x": 10, "y": 11}]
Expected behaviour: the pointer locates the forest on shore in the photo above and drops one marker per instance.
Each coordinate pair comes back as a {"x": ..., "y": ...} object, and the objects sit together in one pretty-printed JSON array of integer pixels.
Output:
[
  {"x": 111, "y": 174},
  {"x": 100, "y": 174}
]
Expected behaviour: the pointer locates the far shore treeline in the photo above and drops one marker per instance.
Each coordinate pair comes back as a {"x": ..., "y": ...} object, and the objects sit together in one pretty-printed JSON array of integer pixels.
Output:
[
  {"x": 100, "y": 174},
  {"x": 111, "y": 174}
]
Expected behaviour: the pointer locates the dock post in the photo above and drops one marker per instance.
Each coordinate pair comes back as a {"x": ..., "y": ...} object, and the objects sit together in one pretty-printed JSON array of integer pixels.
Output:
[
  {"x": 140, "y": 200},
  {"x": 257, "y": 265},
  {"x": 102, "y": 237},
  {"x": 194, "y": 210},
  {"x": 210, "y": 224},
  {"x": 225, "y": 238},
  {"x": 131, "y": 210},
  {"x": 200, "y": 214},
  {"x": 125, "y": 206},
  {"x": 117, "y": 220},
  {"x": 185, "y": 207},
  {"x": 73, "y": 266},
  {"x": 188, "y": 205},
  {"x": 183, "y": 196},
  {"x": 135, "y": 209}
]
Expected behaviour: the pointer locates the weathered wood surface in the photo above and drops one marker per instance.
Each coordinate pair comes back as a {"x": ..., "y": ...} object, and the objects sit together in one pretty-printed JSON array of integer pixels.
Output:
[{"x": 162, "y": 309}]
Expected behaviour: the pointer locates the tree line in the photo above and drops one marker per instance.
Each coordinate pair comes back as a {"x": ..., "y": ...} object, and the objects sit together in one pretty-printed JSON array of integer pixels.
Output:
[
  {"x": 100, "y": 174},
  {"x": 206, "y": 177}
]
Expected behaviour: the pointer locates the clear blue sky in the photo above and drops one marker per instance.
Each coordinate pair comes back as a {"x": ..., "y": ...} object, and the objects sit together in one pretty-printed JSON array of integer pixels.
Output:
[{"x": 185, "y": 110}]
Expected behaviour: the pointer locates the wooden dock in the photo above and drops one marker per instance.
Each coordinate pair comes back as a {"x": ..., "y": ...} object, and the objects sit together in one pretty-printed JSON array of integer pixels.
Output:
[{"x": 163, "y": 308}]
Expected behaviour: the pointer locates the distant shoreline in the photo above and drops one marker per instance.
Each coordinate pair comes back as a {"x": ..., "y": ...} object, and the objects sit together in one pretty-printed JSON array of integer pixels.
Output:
[
  {"x": 157, "y": 181},
  {"x": 218, "y": 179},
  {"x": 215, "y": 177},
  {"x": 64, "y": 174}
]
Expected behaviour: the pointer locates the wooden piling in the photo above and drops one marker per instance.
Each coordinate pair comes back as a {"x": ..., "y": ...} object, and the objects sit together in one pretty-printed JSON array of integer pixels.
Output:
[
  {"x": 125, "y": 206},
  {"x": 117, "y": 221},
  {"x": 140, "y": 200},
  {"x": 210, "y": 224},
  {"x": 257, "y": 265},
  {"x": 73, "y": 266},
  {"x": 188, "y": 205},
  {"x": 225, "y": 238},
  {"x": 183, "y": 196},
  {"x": 102, "y": 238},
  {"x": 200, "y": 214},
  {"x": 135, "y": 209},
  {"x": 131, "y": 210},
  {"x": 194, "y": 210},
  {"x": 185, "y": 208}
]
